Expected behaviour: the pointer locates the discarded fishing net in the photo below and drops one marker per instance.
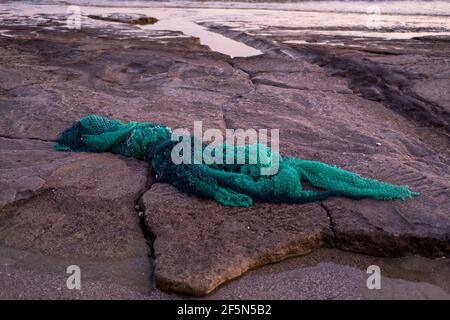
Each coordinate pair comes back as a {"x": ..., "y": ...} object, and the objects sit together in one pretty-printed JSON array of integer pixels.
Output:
[{"x": 229, "y": 184}]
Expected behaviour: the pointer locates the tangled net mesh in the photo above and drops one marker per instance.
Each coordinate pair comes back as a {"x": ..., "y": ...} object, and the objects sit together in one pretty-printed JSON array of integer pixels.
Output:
[{"x": 229, "y": 184}]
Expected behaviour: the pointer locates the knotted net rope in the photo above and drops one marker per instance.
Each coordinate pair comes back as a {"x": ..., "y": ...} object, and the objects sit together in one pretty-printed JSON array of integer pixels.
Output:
[{"x": 229, "y": 184}]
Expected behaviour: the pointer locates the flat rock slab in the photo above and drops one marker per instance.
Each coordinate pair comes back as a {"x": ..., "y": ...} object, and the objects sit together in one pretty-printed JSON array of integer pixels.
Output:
[
  {"x": 200, "y": 244},
  {"x": 69, "y": 204},
  {"x": 394, "y": 228},
  {"x": 126, "y": 18}
]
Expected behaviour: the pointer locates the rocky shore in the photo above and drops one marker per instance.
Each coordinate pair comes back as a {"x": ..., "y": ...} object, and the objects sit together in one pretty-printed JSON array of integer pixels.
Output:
[{"x": 380, "y": 108}]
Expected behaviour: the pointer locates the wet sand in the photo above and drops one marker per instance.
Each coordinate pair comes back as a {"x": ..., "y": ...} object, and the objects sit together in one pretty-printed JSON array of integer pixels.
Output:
[{"x": 324, "y": 274}]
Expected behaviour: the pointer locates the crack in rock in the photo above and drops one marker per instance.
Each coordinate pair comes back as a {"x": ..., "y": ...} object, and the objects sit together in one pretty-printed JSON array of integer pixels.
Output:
[
  {"x": 26, "y": 138},
  {"x": 332, "y": 223},
  {"x": 201, "y": 244}
]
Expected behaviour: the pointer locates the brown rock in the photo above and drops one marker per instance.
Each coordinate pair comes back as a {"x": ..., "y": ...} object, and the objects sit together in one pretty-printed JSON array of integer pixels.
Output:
[
  {"x": 70, "y": 204},
  {"x": 395, "y": 228},
  {"x": 200, "y": 244},
  {"x": 126, "y": 18}
]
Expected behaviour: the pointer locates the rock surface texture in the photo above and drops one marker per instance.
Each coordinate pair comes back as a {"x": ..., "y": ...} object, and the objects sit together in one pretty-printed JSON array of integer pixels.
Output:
[
  {"x": 200, "y": 244},
  {"x": 383, "y": 116}
]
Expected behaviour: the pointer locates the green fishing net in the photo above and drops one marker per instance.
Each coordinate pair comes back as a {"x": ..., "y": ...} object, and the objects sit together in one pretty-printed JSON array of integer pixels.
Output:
[{"x": 232, "y": 183}]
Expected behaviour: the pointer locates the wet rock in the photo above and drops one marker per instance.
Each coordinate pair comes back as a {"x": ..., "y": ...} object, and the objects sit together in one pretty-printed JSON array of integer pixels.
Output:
[
  {"x": 353, "y": 128},
  {"x": 390, "y": 84},
  {"x": 69, "y": 204},
  {"x": 282, "y": 73},
  {"x": 200, "y": 244},
  {"x": 434, "y": 38},
  {"x": 394, "y": 228},
  {"x": 169, "y": 87},
  {"x": 126, "y": 18},
  {"x": 436, "y": 91},
  {"x": 135, "y": 68}
]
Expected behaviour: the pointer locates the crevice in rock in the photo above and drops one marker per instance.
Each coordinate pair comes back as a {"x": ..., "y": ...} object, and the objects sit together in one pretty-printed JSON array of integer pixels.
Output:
[
  {"x": 249, "y": 75},
  {"x": 331, "y": 221},
  {"x": 265, "y": 45},
  {"x": 255, "y": 81},
  {"x": 281, "y": 85},
  {"x": 226, "y": 121},
  {"x": 384, "y": 53},
  {"x": 26, "y": 138},
  {"x": 139, "y": 207},
  {"x": 148, "y": 235}
]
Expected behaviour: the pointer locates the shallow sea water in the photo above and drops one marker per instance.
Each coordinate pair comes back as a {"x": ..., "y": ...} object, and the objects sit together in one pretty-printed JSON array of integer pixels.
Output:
[{"x": 389, "y": 20}]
